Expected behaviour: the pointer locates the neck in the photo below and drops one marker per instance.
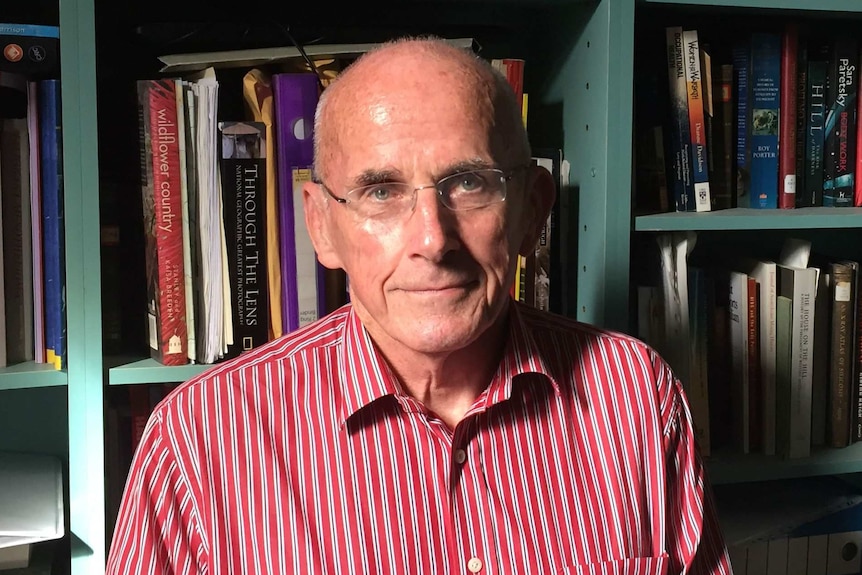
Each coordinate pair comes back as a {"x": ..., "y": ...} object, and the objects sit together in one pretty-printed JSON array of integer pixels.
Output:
[{"x": 448, "y": 383}]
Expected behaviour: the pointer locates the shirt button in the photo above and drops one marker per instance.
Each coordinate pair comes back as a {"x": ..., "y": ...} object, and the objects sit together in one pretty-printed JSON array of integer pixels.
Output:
[
  {"x": 474, "y": 565},
  {"x": 461, "y": 457}
]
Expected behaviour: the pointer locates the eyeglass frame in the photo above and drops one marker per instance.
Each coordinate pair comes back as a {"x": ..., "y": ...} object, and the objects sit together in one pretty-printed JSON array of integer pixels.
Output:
[{"x": 505, "y": 177}]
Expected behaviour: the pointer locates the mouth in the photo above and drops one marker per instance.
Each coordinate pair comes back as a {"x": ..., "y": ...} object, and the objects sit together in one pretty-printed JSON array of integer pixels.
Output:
[{"x": 440, "y": 289}]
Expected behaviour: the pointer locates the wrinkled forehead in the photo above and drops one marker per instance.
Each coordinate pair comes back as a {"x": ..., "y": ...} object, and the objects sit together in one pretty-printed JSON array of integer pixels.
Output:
[{"x": 441, "y": 100}]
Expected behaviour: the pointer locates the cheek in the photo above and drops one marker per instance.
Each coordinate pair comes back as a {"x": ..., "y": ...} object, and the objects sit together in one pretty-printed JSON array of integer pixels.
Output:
[{"x": 370, "y": 249}]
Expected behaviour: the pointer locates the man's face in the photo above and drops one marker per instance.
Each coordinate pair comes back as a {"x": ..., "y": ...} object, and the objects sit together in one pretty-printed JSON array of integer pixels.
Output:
[{"x": 431, "y": 280}]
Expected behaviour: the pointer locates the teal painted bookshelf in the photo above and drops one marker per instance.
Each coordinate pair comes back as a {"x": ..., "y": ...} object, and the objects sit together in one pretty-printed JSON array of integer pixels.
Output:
[{"x": 580, "y": 64}]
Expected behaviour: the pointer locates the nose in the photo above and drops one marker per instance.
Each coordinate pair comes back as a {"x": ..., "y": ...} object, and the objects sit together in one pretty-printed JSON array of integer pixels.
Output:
[{"x": 432, "y": 232}]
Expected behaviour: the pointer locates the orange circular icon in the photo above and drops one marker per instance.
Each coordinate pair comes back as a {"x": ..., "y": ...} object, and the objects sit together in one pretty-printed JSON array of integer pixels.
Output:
[{"x": 13, "y": 52}]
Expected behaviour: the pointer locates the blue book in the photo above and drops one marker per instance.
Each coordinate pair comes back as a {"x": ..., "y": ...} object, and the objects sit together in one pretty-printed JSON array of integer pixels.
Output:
[
  {"x": 680, "y": 133},
  {"x": 740, "y": 58},
  {"x": 51, "y": 172},
  {"x": 765, "y": 80}
]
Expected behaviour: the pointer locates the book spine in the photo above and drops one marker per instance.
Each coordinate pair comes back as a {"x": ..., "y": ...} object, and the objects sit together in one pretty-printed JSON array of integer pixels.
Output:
[
  {"x": 696, "y": 121},
  {"x": 741, "y": 66},
  {"x": 765, "y": 110},
  {"x": 840, "y": 355},
  {"x": 815, "y": 118},
  {"x": 681, "y": 132},
  {"x": 755, "y": 391},
  {"x": 857, "y": 360},
  {"x": 188, "y": 280},
  {"x": 787, "y": 118},
  {"x": 243, "y": 167},
  {"x": 36, "y": 219},
  {"x": 51, "y": 176},
  {"x": 162, "y": 204},
  {"x": 801, "y": 107},
  {"x": 303, "y": 296},
  {"x": 17, "y": 247},
  {"x": 840, "y": 129},
  {"x": 739, "y": 349},
  {"x": 722, "y": 175}
]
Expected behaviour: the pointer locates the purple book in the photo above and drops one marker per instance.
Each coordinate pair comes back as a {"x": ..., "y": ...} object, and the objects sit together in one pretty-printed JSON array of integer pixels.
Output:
[{"x": 302, "y": 289}]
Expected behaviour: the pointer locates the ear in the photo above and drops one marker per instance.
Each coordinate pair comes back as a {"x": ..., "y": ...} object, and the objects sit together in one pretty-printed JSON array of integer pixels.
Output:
[
  {"x": 318, "y": 220},
  {"x": 540, "y": 194}
]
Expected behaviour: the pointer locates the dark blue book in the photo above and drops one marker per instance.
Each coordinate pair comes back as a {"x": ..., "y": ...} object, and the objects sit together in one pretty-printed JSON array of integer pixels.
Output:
[
  {"x": 765, "y": 81},
  {"x": 741, "y": 65},
  {"x": 51, "y": 172},
  {"x": 815, "y": 117}
]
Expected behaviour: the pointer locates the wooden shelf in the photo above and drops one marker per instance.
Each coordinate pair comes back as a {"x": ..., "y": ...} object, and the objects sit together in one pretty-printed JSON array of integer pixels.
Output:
[
  {"x": 820, "y": 5},
  {"x": 29, "y": 375},
  {"x": 751, "y": 219},
  {"x": 151, "y": 371},
  {"x": 725, "y": 468}
]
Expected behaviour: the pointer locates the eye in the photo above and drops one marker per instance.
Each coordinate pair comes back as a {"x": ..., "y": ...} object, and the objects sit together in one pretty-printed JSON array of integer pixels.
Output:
[
  {"x": 379, "y": 193},
  {"x": 469, "y": 182}
]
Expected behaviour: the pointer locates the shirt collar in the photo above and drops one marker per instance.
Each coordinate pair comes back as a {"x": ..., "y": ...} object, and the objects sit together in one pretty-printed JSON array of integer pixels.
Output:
[{"x": 368, "y": 377}]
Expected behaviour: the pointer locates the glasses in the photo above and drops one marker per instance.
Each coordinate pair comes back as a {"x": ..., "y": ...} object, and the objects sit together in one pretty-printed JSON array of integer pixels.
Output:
[{"x": 459, "y": 192}]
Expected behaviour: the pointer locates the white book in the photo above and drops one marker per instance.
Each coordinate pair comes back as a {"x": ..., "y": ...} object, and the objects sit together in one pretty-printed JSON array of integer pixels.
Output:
[{"x": 799, "y": 285}]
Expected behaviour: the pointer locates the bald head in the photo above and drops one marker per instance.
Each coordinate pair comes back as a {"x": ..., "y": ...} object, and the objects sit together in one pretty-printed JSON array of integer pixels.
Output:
[{"x": 404, "y": 74}]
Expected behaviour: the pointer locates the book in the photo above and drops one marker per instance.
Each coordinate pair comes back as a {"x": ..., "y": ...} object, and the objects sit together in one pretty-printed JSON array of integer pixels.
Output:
[
  {"x": 765, "y": 110},
  {"x": 51, "y": 178},
  {"x": 17, "y": 239},
  {"x": 787, "y": 116},
  {"x": 243, "y": 167},
  {"x": 820, "y": 357},
  {"x": 721, "y": 144},
  {"x": 696, "y": 121},
  {"x": 680, "y": 129},
  {"x": 739, "y": 354},
  {"x": 248, "y": 58},
  {"x": 187, "y": 220},
  {"x": 162, "y": 204},
  {"x": 764, "y": 272},
  {"x": 741, "y": 58},
  {"x": 303, "y": 291},
  {"x": 799, "y": 285},
  {"x": 257, "y": 90},
  {"x": 801, "y": 87},
  {"x": 815, "y": 119},
  {"x": 34, "y": 144},
  {"x": 30, "y": 49},
  {"x": 839, "y": 146},
  {"x": 841, "y": 366}
]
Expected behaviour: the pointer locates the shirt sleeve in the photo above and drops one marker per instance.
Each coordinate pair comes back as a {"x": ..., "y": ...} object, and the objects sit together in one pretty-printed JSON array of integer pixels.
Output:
[
  {"x": 157, "y": 530},
  {"x": 694, "y": 538}
]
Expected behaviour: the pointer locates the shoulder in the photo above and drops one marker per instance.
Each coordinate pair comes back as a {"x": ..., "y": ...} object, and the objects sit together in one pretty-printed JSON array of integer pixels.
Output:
[{"x": 601, "y": 362}]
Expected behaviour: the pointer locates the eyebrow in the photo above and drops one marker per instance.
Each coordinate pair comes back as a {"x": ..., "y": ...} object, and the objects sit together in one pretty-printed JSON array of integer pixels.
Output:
[{"x": 379, "y": 176}]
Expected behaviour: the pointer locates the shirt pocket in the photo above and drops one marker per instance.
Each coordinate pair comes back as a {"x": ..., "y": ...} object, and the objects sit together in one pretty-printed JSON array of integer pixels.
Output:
[{"x": 632, "y": 566}]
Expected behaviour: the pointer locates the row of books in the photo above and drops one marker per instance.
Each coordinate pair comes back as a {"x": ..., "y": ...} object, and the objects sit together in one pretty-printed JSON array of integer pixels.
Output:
[
  {"x": 229, "y": 262},
  {"x": 766, "y": 122},
  {"x": 770, "y": 345},
  {"x": 32, "y": 300}
]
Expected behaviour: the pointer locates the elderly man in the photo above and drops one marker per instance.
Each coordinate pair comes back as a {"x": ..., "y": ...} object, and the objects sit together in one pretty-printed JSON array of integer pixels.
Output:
[{"x": 432, "y": 425}]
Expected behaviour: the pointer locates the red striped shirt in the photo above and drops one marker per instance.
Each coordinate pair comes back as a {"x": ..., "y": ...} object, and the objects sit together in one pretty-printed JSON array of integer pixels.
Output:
[{"x": 305, "y": 456}]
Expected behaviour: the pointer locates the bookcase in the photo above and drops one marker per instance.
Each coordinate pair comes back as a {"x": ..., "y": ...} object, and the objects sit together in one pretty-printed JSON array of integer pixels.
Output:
[{"x": 581, "y": 56}]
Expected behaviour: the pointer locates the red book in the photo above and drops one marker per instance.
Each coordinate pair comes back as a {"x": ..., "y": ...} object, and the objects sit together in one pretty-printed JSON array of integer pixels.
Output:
[
  {"x": 162, "y": 201},
  {"x": 787, "y": 119}
]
